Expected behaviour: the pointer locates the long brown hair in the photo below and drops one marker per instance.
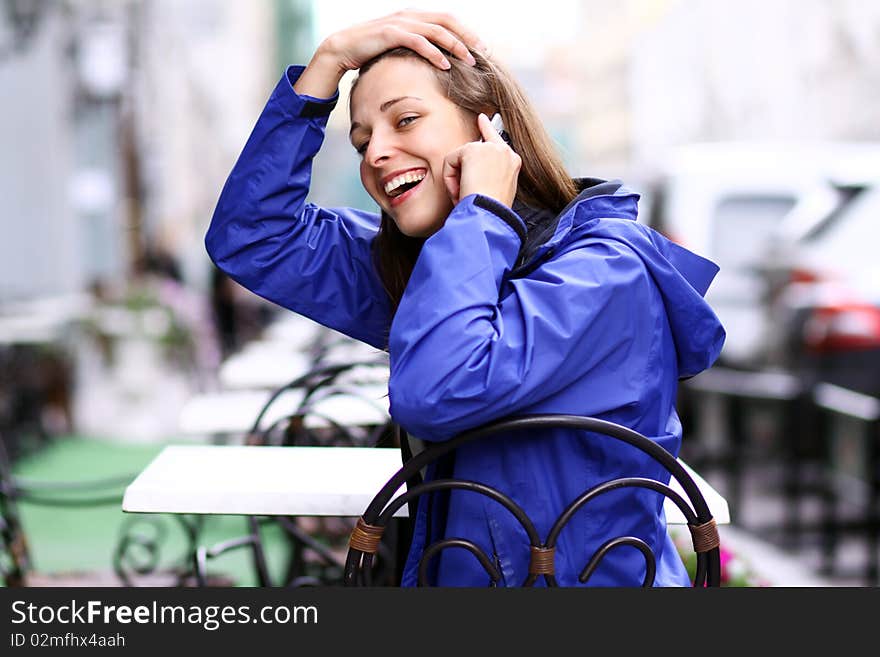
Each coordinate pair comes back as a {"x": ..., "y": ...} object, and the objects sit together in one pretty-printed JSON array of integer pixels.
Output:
[{"x": 486, "y": 87}]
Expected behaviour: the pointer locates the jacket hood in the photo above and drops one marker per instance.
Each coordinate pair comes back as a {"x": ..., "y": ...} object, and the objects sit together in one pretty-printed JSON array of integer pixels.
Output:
[{"x": 608, "y": 210}]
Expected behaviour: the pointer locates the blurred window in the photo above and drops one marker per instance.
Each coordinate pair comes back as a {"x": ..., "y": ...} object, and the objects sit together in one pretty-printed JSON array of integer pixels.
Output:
[
  {"x": 844, "y": 196},
  {"x": 742, "y": 226},
  {"x": 850, "y": 239}
]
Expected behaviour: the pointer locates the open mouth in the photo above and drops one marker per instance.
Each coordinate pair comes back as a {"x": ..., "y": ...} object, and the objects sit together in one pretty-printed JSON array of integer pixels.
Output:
[{"x": 398, "y": 186}]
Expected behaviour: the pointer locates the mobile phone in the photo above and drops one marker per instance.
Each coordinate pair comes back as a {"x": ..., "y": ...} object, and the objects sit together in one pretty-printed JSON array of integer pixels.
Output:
[{"x": 498, "y": 124}]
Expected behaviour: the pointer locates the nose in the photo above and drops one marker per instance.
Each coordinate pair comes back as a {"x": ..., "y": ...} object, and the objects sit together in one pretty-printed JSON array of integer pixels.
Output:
[{"x": 379, "y": 149}]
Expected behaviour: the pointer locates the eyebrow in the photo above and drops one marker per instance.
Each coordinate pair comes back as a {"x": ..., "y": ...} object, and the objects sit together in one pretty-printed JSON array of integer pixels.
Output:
[{"x": 383, "y": 108}]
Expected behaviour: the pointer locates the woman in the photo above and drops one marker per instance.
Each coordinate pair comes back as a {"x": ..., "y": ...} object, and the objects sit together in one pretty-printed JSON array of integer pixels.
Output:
[{"x": 498, "y": 285}]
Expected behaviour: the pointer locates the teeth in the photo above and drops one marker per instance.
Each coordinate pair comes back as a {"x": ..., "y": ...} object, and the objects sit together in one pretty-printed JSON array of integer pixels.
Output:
[{"x": 408, "y": 177}]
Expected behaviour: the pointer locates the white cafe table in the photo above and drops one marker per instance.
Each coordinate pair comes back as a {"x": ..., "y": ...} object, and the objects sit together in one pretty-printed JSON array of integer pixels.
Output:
[
  {"x": 292, "y": 481},
  {"x": 41, "y": 320},
  {"x": 265, "y": 364}
]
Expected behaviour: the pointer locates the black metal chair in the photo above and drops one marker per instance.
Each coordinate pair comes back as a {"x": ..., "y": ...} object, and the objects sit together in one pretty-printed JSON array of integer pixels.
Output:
[{"x": 370, "y": 528}]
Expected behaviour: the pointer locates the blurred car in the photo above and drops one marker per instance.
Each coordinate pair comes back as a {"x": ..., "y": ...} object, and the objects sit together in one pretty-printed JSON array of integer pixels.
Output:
[
  {"x": 726, "y": 200},
  {"x": 822, "y": 273}
]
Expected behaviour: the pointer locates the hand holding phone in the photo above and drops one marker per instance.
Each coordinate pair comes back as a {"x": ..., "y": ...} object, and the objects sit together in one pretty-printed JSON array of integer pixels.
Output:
[{"x": 483, "y": 167}]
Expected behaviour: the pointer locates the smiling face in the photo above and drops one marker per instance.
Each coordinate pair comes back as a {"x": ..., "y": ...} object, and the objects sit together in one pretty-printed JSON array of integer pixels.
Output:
[{"x": 403, "y": 126}]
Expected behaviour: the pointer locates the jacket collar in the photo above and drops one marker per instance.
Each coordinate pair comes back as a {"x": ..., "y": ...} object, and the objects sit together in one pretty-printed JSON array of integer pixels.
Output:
[{"x": 597, "y": 197}]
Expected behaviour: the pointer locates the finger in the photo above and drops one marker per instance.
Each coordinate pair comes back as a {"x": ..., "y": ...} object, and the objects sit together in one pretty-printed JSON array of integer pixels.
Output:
[
  {"x": 452, "y": 181},
  {"x": 452, "y": 174},
  {"x": 444, "y": 38},
  {"x": 487, "y": 130},
  {"x": 420, "y": 45},
  {"x": 466, "y": 35}
]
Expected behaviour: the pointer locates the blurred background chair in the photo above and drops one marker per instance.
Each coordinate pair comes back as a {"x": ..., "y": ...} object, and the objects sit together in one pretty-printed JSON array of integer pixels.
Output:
[
  {"x": 346, "y": 403},
  {"x": 341, "y": 404},
  {"x": 17, "y": 566},
  {"x": 370, "y": 528}
]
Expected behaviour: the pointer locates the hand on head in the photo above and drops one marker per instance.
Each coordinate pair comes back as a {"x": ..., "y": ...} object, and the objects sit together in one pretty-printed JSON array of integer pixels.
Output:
[{"x": 420, "y": 31}]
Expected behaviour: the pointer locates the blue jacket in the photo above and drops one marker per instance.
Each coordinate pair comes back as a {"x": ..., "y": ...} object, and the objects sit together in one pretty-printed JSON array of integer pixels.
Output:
[{"x": 600, "y": 319}]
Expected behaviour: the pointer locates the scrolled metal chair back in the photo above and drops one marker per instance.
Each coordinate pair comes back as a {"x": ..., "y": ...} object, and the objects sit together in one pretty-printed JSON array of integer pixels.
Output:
[{"x": 367, "y": 535}]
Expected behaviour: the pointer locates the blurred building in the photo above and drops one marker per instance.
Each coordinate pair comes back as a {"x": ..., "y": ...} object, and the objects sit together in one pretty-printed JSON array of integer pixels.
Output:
[
  {"x": 121, "y": 120},
  {"x": 657, "y": 73},
  {"x": 203, "y": 71},
  {"x": 40, "y": 244}
]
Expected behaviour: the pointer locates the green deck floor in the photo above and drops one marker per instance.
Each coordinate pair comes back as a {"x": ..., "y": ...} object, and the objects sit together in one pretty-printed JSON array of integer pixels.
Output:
[{"x": 62, "y": 540}]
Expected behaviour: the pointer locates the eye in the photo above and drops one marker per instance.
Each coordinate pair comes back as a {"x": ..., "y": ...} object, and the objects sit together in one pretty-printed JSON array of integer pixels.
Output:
[
  {"x": 362, "y": 148},
  {"x": 405, "y": 121}
]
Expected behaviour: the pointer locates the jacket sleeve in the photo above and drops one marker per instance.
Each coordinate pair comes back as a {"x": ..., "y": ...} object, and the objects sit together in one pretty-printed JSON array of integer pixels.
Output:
[
  {"x": 463, "y": 354},
  {"x": 264, "y": 235}
]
